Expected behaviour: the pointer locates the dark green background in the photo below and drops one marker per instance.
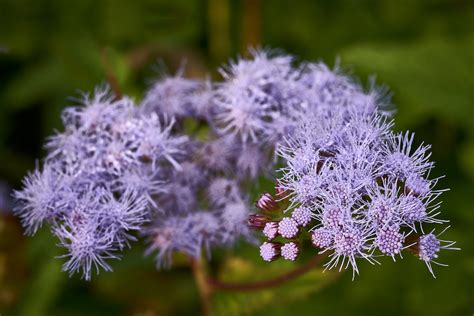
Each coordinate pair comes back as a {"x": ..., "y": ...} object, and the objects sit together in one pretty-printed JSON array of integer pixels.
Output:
[{"x": 423, "y": 50}]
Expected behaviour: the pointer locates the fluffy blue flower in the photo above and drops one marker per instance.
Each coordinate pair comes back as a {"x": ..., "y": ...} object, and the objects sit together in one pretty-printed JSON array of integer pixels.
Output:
[
  {"x": 46, "y": 195},
  {"x": 99, "y": 179},
  {"x": 176, "y": 96},
  {"x": 428, "y": 247},
  {"x": 98, "y": 227},
  {"x": 249, "y": 101}
]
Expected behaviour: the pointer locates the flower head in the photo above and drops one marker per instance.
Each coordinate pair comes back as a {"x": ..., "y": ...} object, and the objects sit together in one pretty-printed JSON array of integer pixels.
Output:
[
  {"x": 288, "y": 227},
  {"x": 390, "y": 240},
  {"x": 175, "y": 96},
  {"x": 290, "y": 251},
  {"x": 428, "y": 247},
  {"x": 249, "y": 101},
  {"x": 322, "y": 238},
  {"x": 270, "y": 230},
  {"x": 270, "y": 251},
  {"x": 302, "y": 215}
]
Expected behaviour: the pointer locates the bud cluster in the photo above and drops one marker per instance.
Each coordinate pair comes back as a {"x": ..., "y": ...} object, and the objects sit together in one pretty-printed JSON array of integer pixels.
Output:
[{"x": 283, "y": 233}]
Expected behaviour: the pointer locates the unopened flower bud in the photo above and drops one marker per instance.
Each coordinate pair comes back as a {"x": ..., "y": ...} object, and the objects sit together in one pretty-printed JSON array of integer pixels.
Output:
[
  {"x": 290, "y": 251},
  {"x": 302, "y": 215},
  {"x": 271, "y": 230},
  {"x": 257, "y": 221},
  {"x": 428, "y": 247},
  {"x": 281, "y": 192},
  {"x": 288, "y": 227},
  {"x": 416, "y": 185},
  {"x": 266, "y": 202},
  {"x": 322, "y": 238},
  {"x": 270, "y": 251}
]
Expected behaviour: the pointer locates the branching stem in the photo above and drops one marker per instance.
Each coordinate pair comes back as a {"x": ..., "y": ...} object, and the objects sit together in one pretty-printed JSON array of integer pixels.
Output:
[
  {"x": 205, "y": 290},
  {"x": 265, "y": 284}
]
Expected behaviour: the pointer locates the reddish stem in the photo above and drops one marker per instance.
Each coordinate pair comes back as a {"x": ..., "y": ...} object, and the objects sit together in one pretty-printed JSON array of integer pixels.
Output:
[
  {"x": 259, "y": 285},
  {"x": 110, "y": 75}
]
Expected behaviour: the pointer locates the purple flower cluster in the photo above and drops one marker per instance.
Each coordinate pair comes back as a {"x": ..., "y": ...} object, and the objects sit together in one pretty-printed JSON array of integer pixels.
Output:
[
  {"x": 367, "y": 188},
  {"x": 98, "y": 180},
  {"x": 119, "y": 168},
  {"x": 166, "y": 167},
  {"x": 176, "y": 168}
]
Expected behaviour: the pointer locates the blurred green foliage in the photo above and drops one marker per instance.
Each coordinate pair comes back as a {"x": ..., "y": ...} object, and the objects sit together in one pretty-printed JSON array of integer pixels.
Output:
[{"x": 423, "y": 50}]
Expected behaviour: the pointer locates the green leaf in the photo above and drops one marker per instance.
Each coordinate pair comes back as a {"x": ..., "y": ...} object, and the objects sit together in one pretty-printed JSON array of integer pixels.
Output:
[
  {"x": 241, "y": 270},
  {"x": 429, "y": 77}
]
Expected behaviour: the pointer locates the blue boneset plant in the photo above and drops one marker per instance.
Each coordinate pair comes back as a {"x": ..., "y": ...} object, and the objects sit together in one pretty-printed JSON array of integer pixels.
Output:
[{"x": 349, "y": 184}]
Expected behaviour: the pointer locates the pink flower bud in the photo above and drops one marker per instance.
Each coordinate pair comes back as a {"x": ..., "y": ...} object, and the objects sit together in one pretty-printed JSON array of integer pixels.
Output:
[
  {"x": 271, "y": 230},
  {"x": 257, "y": 221},
  {"x": 290, "y": 251},
  {"x": 266, "y": 202},
  {"x": 270, "y": 251}
]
